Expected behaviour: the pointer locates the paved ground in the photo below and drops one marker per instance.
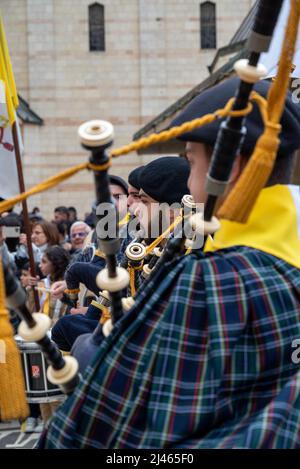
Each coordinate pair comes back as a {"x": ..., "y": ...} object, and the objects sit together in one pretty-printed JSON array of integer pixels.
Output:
[{"x": 11, "y": 436}]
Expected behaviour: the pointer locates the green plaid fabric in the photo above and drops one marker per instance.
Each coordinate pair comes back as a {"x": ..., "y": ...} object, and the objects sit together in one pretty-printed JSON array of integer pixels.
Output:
[{"x": 203, "y": 360}]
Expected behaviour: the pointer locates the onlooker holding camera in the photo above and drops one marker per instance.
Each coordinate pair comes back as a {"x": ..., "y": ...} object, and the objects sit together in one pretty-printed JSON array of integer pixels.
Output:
[{"x": 11, "y": 226}]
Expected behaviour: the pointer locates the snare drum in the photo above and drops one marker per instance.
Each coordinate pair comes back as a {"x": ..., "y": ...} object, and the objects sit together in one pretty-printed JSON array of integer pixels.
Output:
[{"x": 38, "y": 388}]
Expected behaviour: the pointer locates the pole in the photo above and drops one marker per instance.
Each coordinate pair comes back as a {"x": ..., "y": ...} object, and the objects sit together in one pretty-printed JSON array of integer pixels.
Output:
[{"x": 25, "y": 211}]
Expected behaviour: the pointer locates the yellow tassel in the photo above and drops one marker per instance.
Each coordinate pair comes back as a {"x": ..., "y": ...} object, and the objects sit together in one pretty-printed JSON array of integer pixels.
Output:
[
  {"x": 105, "y": 314},
  {"x": 132, "y": 280},
  {"x": 239, "y": 203},
  {"x": 72, "y": 292},
  {"x": 99, "y": 253},
  {"x": 13, "y": 403}
]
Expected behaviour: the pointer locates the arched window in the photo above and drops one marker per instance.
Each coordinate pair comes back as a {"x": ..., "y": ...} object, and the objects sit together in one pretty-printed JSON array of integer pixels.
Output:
[
  {"x": 208, "y": 25},
  {"x": 96, "y": 27}
]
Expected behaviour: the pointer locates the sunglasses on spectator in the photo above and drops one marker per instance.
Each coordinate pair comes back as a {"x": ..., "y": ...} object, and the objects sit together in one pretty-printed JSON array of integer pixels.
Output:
[{"x": 81, "y": 234}]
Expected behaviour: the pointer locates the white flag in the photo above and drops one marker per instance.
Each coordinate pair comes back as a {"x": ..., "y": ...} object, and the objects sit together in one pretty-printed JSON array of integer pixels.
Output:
[
  {"x": 271, "y": 58},
  {"x": 9, "y": 184}
]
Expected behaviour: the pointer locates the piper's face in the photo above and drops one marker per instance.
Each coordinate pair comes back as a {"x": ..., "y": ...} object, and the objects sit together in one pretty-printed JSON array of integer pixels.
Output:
[
  {"x": 120, "y": 199},
  {"x": 144, "y": 209},
  {"x": 133, "y": 198},
  {"x": 199, "y": 163},
  {"x": 154, "y": 217}
]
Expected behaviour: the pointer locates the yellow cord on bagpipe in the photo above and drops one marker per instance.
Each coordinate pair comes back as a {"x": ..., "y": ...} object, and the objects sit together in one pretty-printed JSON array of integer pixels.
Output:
[
  {"x": 131, "y": 271},
  {"x": 12, "y": 387},
  {"x": 181, "y": 129},
  {"x": 158, "y": 240},
  {"x": 141, "y": 143},
  {"x": 105, "y": 315}
]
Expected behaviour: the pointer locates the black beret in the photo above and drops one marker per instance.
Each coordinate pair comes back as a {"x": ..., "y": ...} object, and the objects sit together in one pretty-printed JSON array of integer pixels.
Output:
[
  {"x": 118, "y": 181},
  {"x": 217, "y": 96},
  {"x": 165, "y": 179},
  {"x": 134, "y": 177}
]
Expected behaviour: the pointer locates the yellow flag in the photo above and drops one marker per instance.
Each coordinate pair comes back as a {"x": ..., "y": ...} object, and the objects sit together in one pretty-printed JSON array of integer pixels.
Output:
[
  {"x": 9, "y": 70},
  {"x": 9, "y": 184},
  {"x": 7, "y": 77}
]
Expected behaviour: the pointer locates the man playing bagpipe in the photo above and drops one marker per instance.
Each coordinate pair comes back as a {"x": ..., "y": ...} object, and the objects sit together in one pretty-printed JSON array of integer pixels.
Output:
[
  {"x": 204, "y": 357},
  {"x": 162, "y": 181}
]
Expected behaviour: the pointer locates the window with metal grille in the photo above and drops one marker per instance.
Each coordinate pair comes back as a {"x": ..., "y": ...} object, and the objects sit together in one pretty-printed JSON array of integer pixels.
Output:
[
  {"x": 208, "y": 25},
  {"x": 96, "y": 27}
]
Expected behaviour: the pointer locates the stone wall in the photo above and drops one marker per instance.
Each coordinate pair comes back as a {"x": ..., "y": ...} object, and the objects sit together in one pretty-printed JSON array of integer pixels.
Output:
[{"x": 152, "y": 58}]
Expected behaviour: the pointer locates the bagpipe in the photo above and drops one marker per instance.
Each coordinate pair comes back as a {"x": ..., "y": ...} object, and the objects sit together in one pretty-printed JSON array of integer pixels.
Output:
[
  {"x": 96, "y": 137},
  {"x": 139, "y": 257},
  {"x": 110, "y": 282},
  {"x": 229, "y": 141}
]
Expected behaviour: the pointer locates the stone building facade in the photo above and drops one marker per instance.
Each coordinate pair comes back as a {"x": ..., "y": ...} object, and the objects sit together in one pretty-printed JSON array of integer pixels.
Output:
[{"x": 152, "y": 57}]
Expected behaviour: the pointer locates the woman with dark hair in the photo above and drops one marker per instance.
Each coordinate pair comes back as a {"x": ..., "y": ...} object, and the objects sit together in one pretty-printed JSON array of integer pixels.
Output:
[
  {"x": 44, "y": 234},
  {"x": 53, "y": 265},
  {"x": 54, "y": 262}
]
